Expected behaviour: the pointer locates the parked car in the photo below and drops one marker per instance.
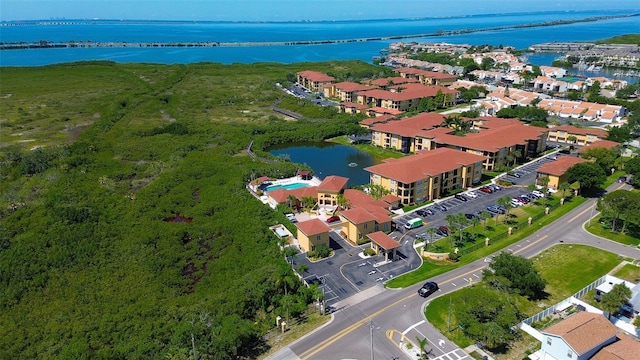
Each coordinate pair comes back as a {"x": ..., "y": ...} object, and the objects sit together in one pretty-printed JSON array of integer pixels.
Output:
[
  {"x": 524, "y": 199},
  {"x": 537, "y": 193},
  {"x": 471, "y": 216},
  {"x": 443, "y": 229},
  {"x": 622, "y": 179},
  {"x": 486, "y": 189},
  {"x": 515, "y": 202},
  {"x": 441, "y": 207},
  {"x": 496, "y": 209},
  {"x": 291, "y": 217},
  {"x": 472, "y": 194},
  {"x": 494, "y": 187},
  {"x": 427, "y": 289},
  {"x": 333, "y": 218},
  {"x": 460, "y": 197},
  {"x": 425, "y": 212}
]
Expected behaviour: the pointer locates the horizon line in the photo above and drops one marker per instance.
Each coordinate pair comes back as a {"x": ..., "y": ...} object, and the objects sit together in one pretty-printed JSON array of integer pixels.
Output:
[{"x": 632, "y": 12}]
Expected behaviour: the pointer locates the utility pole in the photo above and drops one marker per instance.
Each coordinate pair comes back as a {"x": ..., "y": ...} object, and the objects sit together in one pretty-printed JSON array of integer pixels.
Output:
[{"x": 371, "y": 335}]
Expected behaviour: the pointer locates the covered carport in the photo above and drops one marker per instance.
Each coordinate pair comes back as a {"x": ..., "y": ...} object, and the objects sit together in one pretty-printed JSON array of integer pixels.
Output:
[{"x": 382, "y": 243}]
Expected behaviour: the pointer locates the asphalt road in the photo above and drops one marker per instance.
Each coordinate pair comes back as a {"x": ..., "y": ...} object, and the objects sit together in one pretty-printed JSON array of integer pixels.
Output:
[{"x": 388, "y": 314}]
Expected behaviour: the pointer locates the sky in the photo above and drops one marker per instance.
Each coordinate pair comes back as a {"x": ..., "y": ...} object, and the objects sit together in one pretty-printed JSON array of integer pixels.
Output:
[{"x": 285, "y": 10}]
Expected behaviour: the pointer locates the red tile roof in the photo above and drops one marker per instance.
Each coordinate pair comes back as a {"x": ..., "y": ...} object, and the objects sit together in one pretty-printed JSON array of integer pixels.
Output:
[
  {"x": 353, "y": 105},
  {"x": 424, "y": 164},
  {"x": 560, "y": 166},
  {"x": 581, "y": 131},
  {"x": 389, "y": 198},
  {"x": 425, "y": 73},
  {"x": 410, "y": 126},
  {"x": 377, "y": 119},
  {"x": 384, "y": 111},
  {"x": 313, "y": 227},
  {"x": 333, "y": 184},
  {"x": 497, "y": 134},
  {"x": 282, "y": 195},
  {"x": 410, "y": 91},
  {"x": 316, "y": 76},
  {"x": 383, "y": 240},
  {"x": 606, "y": 144},
  {"x": 357, "y": 215},
  {"x": 379, "y": 209},
  {"x": 349, "y": 86},
  {"x": 383, "y": 82},
  {"x": 583, "y": 331}
]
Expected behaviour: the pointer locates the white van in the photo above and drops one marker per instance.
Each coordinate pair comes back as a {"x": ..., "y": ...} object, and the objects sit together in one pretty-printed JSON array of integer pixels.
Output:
[{"x": 413, "y": 223}]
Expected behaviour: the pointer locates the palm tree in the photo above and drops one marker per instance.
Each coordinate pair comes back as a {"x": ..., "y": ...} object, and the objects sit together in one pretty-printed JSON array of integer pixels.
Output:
[
  {"x": 292, "y": 200},
  {"x": 506, "y": 202},
  {"x": 422, "y": 345},
  {"x": 451, "y": 221},
  {"x": 485, "y": 216},
  {"x": 475, "y": 221},
  {"x": 342, "y": 201},
  {"x": 564, "y": 186},
  {"x": 309, "y": 202},
  {"x": 461, "y": 221},
  {"x": 431, "y": 232}
]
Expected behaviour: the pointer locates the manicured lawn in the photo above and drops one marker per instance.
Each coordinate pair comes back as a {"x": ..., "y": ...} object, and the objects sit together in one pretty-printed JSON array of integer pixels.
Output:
[
  {"x": 556, "y": 265},
  {"x": 629, "y": 272},
  {"x": 596, "y": 229},
  {"x": 429, "y": 269}
]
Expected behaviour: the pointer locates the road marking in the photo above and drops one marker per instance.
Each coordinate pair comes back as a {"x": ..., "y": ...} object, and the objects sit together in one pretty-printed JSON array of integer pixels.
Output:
[
  {"x": 412, "y": 326},
  {"x": 533, "y": 243},
  {"x": 577, "y": 216},
  {"x": 441, "y": 342},
  {"x": 337, "y": 336}
]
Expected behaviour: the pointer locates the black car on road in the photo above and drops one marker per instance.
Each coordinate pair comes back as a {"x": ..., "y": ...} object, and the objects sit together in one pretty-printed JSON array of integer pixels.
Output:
[{"x": 427, "y": 289}]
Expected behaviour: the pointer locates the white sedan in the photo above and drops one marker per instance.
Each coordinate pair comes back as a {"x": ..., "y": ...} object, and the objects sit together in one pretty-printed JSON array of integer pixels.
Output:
[{"x": 471, "y": 194}]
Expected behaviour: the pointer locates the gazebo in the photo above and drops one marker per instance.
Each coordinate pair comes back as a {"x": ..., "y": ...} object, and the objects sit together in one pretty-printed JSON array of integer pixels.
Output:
[
  {"x": 304, "y": 174},
  {"x": 381, "y": 242}
]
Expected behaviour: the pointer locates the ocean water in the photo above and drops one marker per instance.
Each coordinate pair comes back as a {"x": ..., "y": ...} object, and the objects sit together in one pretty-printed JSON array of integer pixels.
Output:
[{"x": 166, "y": 32}]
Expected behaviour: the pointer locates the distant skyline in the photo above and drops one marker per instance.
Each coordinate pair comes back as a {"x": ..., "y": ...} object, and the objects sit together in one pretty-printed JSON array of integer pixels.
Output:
[{"x": 285, "y": 10}]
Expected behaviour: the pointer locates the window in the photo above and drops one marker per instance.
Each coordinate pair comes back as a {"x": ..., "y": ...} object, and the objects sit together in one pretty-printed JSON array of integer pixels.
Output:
[
  {"x": 569, "y": 354},
  {"x": 318, "y": 237},
  {"x": 366, "y": 226},
  {"x": 548, "y": 341}
]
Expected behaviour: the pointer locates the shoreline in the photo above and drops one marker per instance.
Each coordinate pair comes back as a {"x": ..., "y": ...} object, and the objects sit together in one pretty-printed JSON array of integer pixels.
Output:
[{"x": 43, "y": 44}]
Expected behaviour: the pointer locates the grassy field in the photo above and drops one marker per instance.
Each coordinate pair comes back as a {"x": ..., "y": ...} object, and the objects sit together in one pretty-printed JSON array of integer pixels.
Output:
[
  {"x": 97, "y": 159},
  {"x": 629, "y": 272},
  {"x": 597, "y": 229},
  {"x": 557, "y": 266},
  {"x": 430, "y": 269}
]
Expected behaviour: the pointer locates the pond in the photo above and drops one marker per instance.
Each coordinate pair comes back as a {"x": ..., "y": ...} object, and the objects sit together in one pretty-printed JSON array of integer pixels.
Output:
[{"x": 329, "y": 159}]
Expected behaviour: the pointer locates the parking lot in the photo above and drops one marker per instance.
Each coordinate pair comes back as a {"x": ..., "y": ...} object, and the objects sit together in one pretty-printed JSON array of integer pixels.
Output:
[
  {"x": 347, "y": 272},
  {"x": 520, "y": 177}
]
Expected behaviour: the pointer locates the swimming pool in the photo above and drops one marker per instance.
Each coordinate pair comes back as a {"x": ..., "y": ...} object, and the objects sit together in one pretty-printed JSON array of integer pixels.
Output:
[{"x": 287, "y": 186}]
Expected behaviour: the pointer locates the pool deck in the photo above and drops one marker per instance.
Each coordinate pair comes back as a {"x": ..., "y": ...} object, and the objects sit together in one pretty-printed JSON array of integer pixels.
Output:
[{"x": 295, "y": 179}]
